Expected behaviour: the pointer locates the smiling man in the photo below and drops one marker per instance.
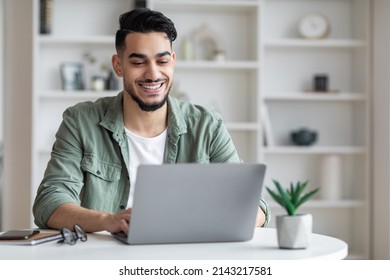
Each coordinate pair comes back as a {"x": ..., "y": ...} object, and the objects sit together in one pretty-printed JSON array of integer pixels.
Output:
[{"x": 91, "y": 174}]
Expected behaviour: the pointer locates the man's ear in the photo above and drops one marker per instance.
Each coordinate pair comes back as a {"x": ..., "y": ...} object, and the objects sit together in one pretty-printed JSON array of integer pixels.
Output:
[
  {"x": 117, "y": 65},
  {"x": 174, "y": 56}
]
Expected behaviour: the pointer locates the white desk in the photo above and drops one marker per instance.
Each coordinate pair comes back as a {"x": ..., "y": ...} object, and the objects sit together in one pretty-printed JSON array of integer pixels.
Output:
[{"x": 103, "y": 246}]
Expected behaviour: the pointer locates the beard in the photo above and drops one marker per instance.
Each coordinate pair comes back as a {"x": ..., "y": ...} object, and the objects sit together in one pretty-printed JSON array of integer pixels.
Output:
[{"x": 144, "y": 106}]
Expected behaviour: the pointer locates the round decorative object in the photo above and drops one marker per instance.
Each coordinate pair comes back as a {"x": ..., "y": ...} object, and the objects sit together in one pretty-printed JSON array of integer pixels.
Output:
[
  {"x": 303, "y": 137},
  {"x": 314, "y": 26},
  {"x": 207, "y": 43},
  {"x": 98, "y": 83}
]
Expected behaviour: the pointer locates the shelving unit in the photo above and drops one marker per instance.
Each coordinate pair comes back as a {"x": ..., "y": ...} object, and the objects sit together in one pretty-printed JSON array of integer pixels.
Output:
[
  {"x": 72, "y": 36},
  {"x": 232, "y": 84},
  {"x": 341, "y": 119},
  {"x": 266, "y": 63}
]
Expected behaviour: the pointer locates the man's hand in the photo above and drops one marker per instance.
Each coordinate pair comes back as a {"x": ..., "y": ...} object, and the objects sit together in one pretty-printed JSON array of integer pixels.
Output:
[
  {"x": 118, "y": 221},
  {"x": 260, "y": 219},
  {"x": 70, "y": 214}
]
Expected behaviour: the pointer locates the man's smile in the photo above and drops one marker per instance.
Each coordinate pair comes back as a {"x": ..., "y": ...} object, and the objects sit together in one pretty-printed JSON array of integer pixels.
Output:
[{"x": 152, "y": 88}]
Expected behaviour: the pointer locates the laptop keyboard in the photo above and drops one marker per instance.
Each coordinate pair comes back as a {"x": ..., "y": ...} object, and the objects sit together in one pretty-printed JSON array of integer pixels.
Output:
[{"x": 121, "y": 236}]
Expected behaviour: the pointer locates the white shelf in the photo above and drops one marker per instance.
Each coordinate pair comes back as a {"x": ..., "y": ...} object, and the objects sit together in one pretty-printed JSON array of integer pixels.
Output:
[
  {"x": 203, "y": 4},
  {"x": 244, "y": 126},
  {"x": 314, "y": 150},
  {"x": 196, "y": 64},
  {"x": 75, "y": 95},
  {"x": 313, "y": 96},
  {"x": 44, "y": 151},
  {"x": 47, "y": 40},
  {"x": 326, "y": 204},
  {"x": 321, "y": 43}
]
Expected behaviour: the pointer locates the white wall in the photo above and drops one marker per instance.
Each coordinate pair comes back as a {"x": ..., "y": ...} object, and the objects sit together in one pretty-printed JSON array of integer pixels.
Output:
[
  {"x": 17, "y": 130},
  {"x": 381, "y": 131},
  {"x": 2, "y": 21}
]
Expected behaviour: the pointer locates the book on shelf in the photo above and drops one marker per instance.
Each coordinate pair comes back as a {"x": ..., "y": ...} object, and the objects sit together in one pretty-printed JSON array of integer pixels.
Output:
[
  {"x": 45, "y": 16},
  {"x": 266, "y": 126}
]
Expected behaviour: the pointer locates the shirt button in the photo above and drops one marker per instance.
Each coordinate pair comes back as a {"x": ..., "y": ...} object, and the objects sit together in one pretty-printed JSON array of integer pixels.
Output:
[
  {"x": 98, "y": 172},
  {"x": 122, "y": 207}
]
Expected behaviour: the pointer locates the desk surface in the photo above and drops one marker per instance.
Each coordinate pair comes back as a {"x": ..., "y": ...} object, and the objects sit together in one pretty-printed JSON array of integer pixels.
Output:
[{"x": 103, "y": 246}]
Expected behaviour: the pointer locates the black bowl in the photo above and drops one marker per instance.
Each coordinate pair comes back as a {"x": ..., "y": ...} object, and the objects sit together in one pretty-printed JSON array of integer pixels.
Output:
[{"x": 304, "y": 137}]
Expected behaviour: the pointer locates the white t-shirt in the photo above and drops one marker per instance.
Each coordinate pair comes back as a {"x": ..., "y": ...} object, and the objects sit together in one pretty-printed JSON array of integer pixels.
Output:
[{"x": 143, "y": 150}]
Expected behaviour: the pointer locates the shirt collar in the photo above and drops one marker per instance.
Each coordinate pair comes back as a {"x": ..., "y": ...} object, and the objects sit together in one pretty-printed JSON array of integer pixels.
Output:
[{"x": 113, "y": 119}]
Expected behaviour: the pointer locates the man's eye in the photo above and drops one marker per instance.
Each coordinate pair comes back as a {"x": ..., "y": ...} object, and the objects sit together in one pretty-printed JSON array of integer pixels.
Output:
[
  {"x": 163, "y": 62},
  {"x": 137, "y": 62}
]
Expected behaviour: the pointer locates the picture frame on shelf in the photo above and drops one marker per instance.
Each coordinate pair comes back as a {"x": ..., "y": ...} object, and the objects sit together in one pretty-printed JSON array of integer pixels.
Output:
[{"x": 72, "y": 75}]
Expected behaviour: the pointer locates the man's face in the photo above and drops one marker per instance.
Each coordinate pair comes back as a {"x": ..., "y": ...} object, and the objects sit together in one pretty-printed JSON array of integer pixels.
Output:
[{"x": 147, "y": 66}]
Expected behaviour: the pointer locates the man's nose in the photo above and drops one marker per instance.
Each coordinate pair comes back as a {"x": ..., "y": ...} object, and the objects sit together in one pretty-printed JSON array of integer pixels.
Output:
[{"x": 152, "y": 72}]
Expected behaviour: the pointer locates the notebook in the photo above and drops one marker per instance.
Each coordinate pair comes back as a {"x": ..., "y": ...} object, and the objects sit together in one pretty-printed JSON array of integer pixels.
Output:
[
  {"x": 36, "y": 239},
  {"x": 192, "y": 203}
]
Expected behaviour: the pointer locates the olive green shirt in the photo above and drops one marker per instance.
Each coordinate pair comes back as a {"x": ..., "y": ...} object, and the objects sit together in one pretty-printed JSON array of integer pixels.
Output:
[{"x": 89, "y": 159}]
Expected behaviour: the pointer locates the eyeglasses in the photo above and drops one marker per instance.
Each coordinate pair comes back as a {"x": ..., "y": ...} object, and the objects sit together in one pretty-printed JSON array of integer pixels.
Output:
[{"x": 71, "y": 237}]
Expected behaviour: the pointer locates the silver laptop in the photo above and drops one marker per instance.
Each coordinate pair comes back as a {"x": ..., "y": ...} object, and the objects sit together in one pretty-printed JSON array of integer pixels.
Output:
[{"x": 191, "y": 203}]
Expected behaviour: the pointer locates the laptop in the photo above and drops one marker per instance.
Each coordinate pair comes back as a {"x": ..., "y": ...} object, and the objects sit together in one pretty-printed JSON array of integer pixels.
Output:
[{"x": 194, "y": 203}]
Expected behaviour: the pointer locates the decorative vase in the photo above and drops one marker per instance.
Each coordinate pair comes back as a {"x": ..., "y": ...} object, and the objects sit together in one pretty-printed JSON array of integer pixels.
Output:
[
  {"x": 303, "y": 137},
  {"x": 331, "y": 177},
  {"x": 294, "y": 232}
]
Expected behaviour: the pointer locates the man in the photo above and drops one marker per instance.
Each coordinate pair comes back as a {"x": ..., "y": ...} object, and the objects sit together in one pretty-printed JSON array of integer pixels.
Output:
[{"x": 90, "y": 177}]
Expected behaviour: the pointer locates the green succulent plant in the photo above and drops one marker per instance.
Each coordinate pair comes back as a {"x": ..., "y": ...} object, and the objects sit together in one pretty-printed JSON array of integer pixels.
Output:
[{"x": 291, "y": 198}]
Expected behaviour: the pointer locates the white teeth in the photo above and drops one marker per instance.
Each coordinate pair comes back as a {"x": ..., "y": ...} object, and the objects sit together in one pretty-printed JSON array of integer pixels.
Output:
[{"x": 152, "y": 87}]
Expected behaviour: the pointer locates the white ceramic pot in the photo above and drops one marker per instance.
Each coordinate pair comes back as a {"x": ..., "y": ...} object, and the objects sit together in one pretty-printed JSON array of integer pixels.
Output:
[{"x": 294, "y": 232}]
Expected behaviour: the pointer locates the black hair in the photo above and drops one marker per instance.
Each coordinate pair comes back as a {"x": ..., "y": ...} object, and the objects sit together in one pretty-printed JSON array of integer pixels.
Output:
[{"x": 143, "y": 20}]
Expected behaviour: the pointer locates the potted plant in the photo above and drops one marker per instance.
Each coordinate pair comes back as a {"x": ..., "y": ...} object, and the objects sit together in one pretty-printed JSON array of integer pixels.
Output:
[{"x": 294, "y": 229}]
